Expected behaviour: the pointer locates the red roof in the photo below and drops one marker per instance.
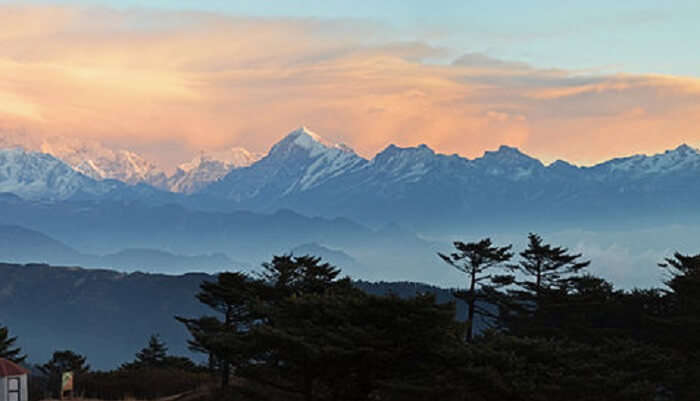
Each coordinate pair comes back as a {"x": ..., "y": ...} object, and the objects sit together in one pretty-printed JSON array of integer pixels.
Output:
[{"x": 8, "y": 368}]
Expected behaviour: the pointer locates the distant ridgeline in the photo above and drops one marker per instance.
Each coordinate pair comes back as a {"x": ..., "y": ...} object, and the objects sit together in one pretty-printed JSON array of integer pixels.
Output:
[
  {"x": 108, "y": 315},
  {"x": 414, "y": 186}
]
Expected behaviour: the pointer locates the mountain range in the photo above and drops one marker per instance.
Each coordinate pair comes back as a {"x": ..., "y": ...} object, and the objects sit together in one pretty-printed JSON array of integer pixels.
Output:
[
  {"x": 100, "y": 162},
  {"x": 383, "y": 218},
  {"x": 419, "y": 187},
  {"x": 414, "y": 186}
]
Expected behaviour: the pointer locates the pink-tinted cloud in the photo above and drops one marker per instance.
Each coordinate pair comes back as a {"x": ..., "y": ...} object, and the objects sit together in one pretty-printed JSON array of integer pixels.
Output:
[{"x": 151, "y": 80}]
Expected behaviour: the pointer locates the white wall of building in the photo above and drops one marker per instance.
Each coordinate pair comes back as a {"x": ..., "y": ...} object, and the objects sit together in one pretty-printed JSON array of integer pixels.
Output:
[{"x": 23, "y": 384}]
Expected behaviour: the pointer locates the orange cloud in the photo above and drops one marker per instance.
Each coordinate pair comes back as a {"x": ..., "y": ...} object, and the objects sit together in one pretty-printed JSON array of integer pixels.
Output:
[{"x": 155, "y": 80}]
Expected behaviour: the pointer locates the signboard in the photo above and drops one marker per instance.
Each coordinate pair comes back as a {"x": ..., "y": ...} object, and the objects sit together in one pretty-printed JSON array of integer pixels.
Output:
[{"x": 67, "y": 382}]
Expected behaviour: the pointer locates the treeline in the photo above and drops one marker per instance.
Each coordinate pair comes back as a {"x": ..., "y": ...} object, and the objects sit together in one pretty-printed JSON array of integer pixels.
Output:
[
  {"x": 298, "y": 331},
  {"x": 152, "y": 374},
  {"x": 548, "y": 330}
]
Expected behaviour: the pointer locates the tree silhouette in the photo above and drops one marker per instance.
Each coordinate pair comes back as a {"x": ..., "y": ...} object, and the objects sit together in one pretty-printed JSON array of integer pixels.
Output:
[
  {"x": 154, "y": 354},
  {"x": 474, "y": 259},
  {"x": 61, "y": 362},
  {"x": 682, "y": 322},
  {"x": 545, "y": 266},
  {"x": 543, "y": 280},
  {"x": 232, "y": 297},
  {"x": 8, "y": 350}
]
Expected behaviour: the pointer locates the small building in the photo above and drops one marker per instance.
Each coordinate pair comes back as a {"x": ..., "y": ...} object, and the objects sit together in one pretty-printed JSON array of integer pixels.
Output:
[{"x": 13, "y": 382}]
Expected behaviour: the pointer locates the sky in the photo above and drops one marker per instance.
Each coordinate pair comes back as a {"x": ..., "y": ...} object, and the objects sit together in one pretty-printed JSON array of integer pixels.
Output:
[{"x": 580, "y": 81}]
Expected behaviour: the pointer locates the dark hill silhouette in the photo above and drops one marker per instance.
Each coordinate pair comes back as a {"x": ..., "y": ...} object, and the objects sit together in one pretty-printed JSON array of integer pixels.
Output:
[{"x": 107, "y": 315}]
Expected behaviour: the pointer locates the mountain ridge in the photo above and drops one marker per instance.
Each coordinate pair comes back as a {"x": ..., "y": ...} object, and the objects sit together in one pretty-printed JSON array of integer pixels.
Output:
[{"x": 414, "y": 186}]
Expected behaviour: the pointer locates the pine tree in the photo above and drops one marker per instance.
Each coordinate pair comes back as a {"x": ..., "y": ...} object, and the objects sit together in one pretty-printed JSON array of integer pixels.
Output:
[
  {"x": 682, "y": 321},
  {"x": 474, "y": 259},
  {"x": 232, "y": 297},
  {"x": 242, "y": 303},
  {"x": 153, "y": 355},
  {"x": 347, "y": 345},
  {"x": 295, "y": 275},
  {"x": 545, "y": 275},
  {"x": 287, "y": 283},
  {"x": 547, "y": 266},
  {"x": 8, "y": 350}
]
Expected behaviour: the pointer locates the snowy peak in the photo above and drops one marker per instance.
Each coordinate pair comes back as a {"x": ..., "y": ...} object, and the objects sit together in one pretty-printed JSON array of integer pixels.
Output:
[
  {"x": 395, "y": 158},
  {"x": 232, "y": 158},
  {"x": 33, "y": 175},
  {"x": 508, "y": 162},
  {"x": 508, "y": 155},
  {"x": 413, "y": 164},
  {"x": 93, "y": 159},
  {"x": 682, "y": 158},
  {"x": 683, "y": 149},
  {"x": 305, "y": 140},
  {"x": 392, "y": 151},
  {"x": 209, "y": 167},
  {"x": 302, "y": 160}
]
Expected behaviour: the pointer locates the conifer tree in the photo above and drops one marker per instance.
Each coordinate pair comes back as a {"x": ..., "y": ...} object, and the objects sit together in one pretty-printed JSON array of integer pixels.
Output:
[
  {"x": 682, "y": 321},
  {"x": 545, "y": 266},
  {"x": 154, "y": 354},
  {"x": 543, "y": 280},
  {"x": 8, "y": 350},
  {"x": 295, "y": 275},
  {"x": 475, "y": 260},
  {"x": 232, "y": 297}
]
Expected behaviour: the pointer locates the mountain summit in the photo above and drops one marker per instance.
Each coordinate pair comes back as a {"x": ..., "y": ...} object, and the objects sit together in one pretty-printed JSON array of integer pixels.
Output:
[
  {"x": 300, "y": 161},
  {"x": 206, "y": 168},
  {"x": 306, "y": 140},
  {"x": 33, "y": 175},
  {"x": 683, "y": 159}
]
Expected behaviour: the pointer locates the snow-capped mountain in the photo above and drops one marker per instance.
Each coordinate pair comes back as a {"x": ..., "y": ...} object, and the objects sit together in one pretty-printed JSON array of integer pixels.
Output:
[
  {"x": 209, "y": 167},
  {"x": 508, "y": 162},
  {"x": 90, "y": 157},
  {"x": 303, "y": 172},
  {"x": 299, "y": 162},
  {"x": 681, "y": 160},
  {"x": 235, "y": 157},
  {"x": 33, "y": 175},
  {"x": 100, "y": 162},
  {"x": 309, "y": 174}
]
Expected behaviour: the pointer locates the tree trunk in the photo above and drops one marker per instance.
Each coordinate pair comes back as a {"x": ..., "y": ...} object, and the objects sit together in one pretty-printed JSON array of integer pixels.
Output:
[
  {"x": 226, "y": 368},
  {"x": 472, "y": 305}
]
